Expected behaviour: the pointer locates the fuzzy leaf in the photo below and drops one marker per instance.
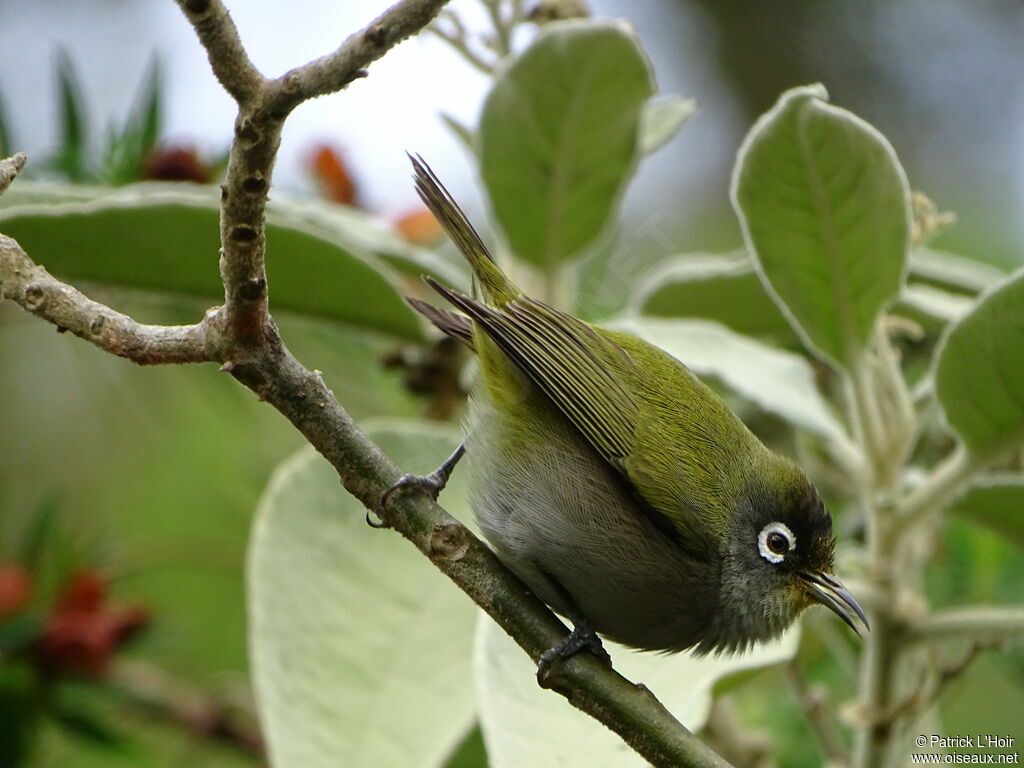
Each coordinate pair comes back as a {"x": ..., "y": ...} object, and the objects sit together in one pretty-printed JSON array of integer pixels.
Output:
[
  {"x": 720, "y": 287},
  {"x": 825, "y": 209},
  {"x": 164, "y": 238},
  {"x": 525, "y": 726},
  {"x": 360, "y": 647},
  {"x": 953, "y": 272},
  {"x": 661, "y": 120},
  {"x": 558, "y": 137},
  {"x": 979, "y": 373},
  {"x": 996, "y": 501}
]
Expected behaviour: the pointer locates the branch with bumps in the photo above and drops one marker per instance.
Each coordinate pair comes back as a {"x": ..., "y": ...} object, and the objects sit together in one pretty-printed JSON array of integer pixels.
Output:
[{"x": 242, "y": 337}]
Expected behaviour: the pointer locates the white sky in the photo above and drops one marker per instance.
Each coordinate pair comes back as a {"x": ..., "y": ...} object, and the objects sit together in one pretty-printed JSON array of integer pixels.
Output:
[{"x": 396, "y": 108}]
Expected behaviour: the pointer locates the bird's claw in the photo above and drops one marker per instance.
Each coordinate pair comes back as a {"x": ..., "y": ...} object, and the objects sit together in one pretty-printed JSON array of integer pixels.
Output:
[
  {"x": 582, "y": 637},
  {"x": 431, "y": 484}
]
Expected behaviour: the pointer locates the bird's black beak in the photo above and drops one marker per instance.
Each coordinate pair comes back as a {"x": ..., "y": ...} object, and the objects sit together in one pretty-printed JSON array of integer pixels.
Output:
[{"x": 830, "y": 592}]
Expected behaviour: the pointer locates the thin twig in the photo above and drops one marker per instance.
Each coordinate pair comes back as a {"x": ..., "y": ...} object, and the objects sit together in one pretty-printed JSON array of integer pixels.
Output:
[
  {"x": 9, "y": 170},
  {"x": 981, "y": 622},
  {"x": 183, "y": 705},
  {"x": 815, "y": 706},
  {"x": 38, "y": 292},
  {"x": 459, "y": 42},
  {"x": 228, "y": 59},
  {"x": 334, "y": 71}
]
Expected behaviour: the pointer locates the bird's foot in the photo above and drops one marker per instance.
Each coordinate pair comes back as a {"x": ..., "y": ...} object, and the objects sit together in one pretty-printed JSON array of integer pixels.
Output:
[
  {"x": 582, "y": 637},
  {"x": 431, "y": 484}
]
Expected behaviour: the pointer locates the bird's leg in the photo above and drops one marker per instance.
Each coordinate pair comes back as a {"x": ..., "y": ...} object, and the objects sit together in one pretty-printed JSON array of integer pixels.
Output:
[
  {"x": 432, "y": 484},
  {"x": 582, "y": 636}
]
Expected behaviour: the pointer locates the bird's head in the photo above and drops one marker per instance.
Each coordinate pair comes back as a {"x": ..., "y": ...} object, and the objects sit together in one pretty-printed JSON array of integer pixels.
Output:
[{"x": 777, "y": 559}]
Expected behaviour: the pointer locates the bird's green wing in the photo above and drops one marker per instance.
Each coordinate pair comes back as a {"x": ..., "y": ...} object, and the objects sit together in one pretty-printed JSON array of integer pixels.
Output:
[{"x": 568, "y": 362}]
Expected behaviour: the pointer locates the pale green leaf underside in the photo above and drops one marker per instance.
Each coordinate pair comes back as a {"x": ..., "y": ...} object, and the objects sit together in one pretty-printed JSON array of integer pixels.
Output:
[
  {"x": 525, "y": 726},
  {"x": 979, "y": 374},
  {"x": 661, "y": 120},
  {"x": 360, "y": 648},
  {"x": 726, "y": 288},
  {"x": 558, "y": 137},
  {"x": 951, "y": 271},
  {"x": 165, "y": 238},
  {"x": 935, "y": 302},
  {"x": 996, "y": 501},
  {"x": 825, "y": 209},
  {"x": 777, "y": 381}
]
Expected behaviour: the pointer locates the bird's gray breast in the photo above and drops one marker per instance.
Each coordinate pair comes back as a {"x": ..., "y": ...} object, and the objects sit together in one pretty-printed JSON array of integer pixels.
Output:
[{"x": 562, "y": 519}]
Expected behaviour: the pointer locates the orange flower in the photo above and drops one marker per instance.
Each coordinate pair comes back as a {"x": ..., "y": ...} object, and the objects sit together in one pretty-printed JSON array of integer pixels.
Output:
[{"x": 332, "y": 175}]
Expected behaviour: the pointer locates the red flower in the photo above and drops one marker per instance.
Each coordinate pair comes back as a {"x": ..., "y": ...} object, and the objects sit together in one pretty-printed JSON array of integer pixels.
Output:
[
  {"x": 176, "y": 164},
  {"x": 332, "y": 175},
  {"x": 419, "y": 228},
  {"x": 83, "y": 631},
  {"x": 15, "y": 589}
]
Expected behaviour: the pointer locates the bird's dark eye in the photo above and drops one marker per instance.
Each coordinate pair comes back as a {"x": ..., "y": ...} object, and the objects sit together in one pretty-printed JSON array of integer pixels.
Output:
[
  {"x": 775, "y": 541},
  {"x": 778, "y": 543}
]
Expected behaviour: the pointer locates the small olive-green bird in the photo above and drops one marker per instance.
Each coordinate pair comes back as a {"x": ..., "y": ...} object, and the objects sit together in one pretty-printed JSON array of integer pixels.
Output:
[{"x": 616, "y": 484}]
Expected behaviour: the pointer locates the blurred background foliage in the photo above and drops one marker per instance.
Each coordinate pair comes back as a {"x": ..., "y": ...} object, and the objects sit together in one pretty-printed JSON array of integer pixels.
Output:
[{"x": 146, "y": 479}]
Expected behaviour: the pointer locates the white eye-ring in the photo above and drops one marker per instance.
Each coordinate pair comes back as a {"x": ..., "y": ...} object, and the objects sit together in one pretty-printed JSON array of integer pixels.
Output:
[{"x": 775, "y": 541}]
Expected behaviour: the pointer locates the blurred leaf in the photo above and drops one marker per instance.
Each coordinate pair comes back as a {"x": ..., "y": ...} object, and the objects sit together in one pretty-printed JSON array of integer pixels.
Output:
[
  {"x": 6, "y": 137},
  {"x": 558, "y": 137},
  {"x": 19, "y": 712},
  {"x": 824, "y": 206},
  {"x": 934, "y": 303},
  {"x": 523, "y": 725},
  {"x": 471, "y": 753},
  {"x": 779, "y": 382},
  {"x": 461, "y": 131},
  {"x": 127, "y": 149},
  {"x": 34, "y": 539},
  {"x": 70, "y": 159},
  {"x": 722, "y": 287},
  {"x": 996, "y": 501},
  {"x": 727, "y": 289},
  {"x": 367, "y": 233},
  {"x": 360, "y": 648},
  {"x": 953, "y": 272},
  {"x": 661, "y": 120},
  {"x": 164, "y": 238},
  {"x": 17, "y": 633},
  {"x": 83, "y": 720},
  {"x": 979, "y": 373},
  {"x": 149, "y": 112}
]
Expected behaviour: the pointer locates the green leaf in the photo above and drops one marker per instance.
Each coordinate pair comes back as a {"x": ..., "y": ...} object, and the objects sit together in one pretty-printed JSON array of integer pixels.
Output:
[
  {"x": 70, "y": 159},
  {"x": 6, "y": 137},
  {"x": 996, "y": 501},
  {"x": 366, "y": 233},
  {"x": 825, "y": 209},
  {"x": 952, "y": 272},
  {"x": 461, "y": 131},
  {"x": 127, "y": 149},
  {"x": 525, "y": 726},
  {"x": 360, "y": 648},
  {"x": 979, "y": 373},
  {"x": 558, "y": 137},
  {"x": 721, "y": 287},
  {"x": 661, "y": 120},
  {"x": 164, "y": 238},
  {"x": 777, "y": 381}
]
